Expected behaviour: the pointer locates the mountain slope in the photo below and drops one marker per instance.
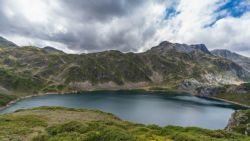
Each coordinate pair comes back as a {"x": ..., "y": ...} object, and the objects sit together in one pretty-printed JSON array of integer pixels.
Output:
[
  {"x": 239, "y": 59},
  {"x": 5, "y": 43},
  {"x": 168, "y": 65},
  {"x": 198, "y": 63}
]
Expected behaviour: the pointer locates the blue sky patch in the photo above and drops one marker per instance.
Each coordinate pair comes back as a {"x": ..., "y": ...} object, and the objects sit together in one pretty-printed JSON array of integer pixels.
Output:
[
  {"x": 233, "y": 8},
  {"x": 171, "y": 12}
]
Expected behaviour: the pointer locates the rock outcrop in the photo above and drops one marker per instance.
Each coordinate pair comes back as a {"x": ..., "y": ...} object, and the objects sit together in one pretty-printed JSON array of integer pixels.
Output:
[{"x": 240, "y": 122}]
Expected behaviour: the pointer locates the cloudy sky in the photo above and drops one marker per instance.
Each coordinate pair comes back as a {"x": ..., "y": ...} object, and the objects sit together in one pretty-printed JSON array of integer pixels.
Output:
[{"x": 77, "y": 26}]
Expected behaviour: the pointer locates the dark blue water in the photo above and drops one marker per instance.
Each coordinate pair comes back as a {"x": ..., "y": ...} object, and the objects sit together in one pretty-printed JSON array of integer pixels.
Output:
[{"x": 143, "y": 107}]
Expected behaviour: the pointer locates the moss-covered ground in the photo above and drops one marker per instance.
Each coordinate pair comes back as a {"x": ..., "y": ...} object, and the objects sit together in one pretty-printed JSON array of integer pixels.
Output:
[{"x": 67, "y": 124}]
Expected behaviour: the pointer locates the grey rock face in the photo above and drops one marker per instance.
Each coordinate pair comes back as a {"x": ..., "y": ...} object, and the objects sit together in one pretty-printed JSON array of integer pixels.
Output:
[
  {"x": 239, "y": 89},
  {"x": 6, "y": 43},
  {"x": 208, "y": 91},
  {"x": 201, "y": 47},
  {"x": 211, "y": 91},
  {"x": 182, "y": 48},
  {"x": 189, "y": 85},
  {"x": 239, "y": 122}
]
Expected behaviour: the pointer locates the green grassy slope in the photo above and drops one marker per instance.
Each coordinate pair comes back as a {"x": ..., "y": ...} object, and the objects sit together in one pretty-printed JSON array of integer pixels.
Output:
[
  {"x": 239, "y": 94},
  {"x": 30, "y": 70},
  {"x": 5, "y": 99},
  {"x": 65, "y": 124},
  {"x": 239, "y": 98}
]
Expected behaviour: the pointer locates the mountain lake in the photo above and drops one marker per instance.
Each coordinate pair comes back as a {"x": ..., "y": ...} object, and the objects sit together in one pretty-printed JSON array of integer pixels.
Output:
[{"x": 158, "y": 108}]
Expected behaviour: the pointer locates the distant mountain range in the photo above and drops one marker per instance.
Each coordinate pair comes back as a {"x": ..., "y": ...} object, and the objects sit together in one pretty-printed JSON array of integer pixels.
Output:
[{"x": 168, "y": 65}]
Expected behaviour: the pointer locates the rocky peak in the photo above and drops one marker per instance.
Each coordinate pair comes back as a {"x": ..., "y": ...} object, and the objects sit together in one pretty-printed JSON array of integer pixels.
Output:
[
  {"x": 166, "y": 46},
  {"x": 201, "y": 47},
  {"x": 165, "y": 43}
]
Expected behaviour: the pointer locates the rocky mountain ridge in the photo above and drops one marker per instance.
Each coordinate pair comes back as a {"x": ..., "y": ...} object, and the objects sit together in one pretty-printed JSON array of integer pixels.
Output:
[
  {"x": 239, "y": 59},
  {"x": 168, "y": 65}
]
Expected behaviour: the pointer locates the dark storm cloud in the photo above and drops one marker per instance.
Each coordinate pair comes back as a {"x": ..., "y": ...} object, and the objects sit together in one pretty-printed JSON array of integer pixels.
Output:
[
  {"x": 84, "y": 21},
  {"x": 18, "y": 25},
  {"x": 99, "y": 9},
  {"x": 125, "y": 25},
  {"x": 94, "y": 16}
]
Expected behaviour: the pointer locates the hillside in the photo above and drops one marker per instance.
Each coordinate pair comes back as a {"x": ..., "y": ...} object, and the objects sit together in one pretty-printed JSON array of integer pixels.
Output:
[
  {"x": 235, "y": 93},
  {"x": 239, "y": 59},
  {"x": 240, "y": 122},
  {"x": 56, "y": 123},
  {"x": 168, "y": 66},
  {"x": 31, "y": 69}
]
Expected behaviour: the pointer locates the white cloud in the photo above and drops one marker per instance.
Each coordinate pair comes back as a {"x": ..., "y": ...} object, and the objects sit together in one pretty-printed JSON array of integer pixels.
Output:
[
  {"x": 33, "y": 11},
  {"x": 189, "y": 26},
  {"x": 83, "y": 26}
]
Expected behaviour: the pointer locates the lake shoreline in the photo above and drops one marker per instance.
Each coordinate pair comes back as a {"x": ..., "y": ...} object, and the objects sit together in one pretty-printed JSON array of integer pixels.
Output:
[
  {"x": 146, "y": 90},
  {"x": 135, "y": 106},
  {"x": 228, "y": 101}
]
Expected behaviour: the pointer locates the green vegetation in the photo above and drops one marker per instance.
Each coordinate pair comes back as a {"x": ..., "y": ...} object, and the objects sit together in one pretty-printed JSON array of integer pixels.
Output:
[
  {"x": 68, "y": 124},
  {"x": 30, "y": 70},
  {"x": 21, "y": 83},
  {"x": 54, "y": 88},
  {"x": 241, "y": 98},
  {"x": 239, "y": 94},
  {"x": 5, "y": 99},
  {"x": 240, "y": 122}
]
